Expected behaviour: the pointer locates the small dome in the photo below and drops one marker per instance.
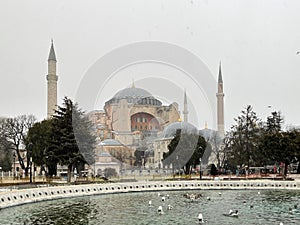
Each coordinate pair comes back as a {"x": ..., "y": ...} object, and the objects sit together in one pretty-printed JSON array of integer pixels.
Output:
[
  {"x": 110, "y": 142},
  {"x": 210, "y": 134},
  {"x": 185, "y": 127},
  {"x": 104, "y": 154}
]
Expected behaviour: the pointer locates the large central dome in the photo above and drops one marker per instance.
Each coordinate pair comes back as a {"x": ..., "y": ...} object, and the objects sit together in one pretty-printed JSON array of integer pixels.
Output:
[
  {"x": 132, "y": 93},
  {"x": 135, "y": 95}
]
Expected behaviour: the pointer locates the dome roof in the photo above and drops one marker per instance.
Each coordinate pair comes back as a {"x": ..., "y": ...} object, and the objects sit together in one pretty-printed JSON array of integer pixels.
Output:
[
  {"x": 105, "y": 154},
  {"x": 185, "y": 127},
  {"x": 149, "y": 152},
  {"x": 135, "y": 96},
  {"x": 110, "y": 142},
  {"x": 210, "y": 134},
  {"x": 132, "y": 92}
]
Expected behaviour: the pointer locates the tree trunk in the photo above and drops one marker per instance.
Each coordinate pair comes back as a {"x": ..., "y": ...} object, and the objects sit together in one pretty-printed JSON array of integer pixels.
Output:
[
  {"x": 218, "y": 161},
  {"x": 285, "y": 170},
  {"x": 69, "y": 173},
  {"x": 298, "y": 169},
  {"x": 186, "y": 169},
  {"x": 41, "y": 170},
  {"x": 20, "y": 159},
  {"x": 26, "y": 171}
]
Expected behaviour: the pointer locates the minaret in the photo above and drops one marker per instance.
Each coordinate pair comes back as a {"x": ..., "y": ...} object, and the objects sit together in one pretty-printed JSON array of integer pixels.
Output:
[
  {"x": 185, "y": 109},
  {"x": 220, "y": 103},
  {"x": 52, "y": 83}
]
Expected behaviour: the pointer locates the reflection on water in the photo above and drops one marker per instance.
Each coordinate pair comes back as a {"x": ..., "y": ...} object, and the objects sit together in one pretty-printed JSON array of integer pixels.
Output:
[{"x": 266, "y": 207}]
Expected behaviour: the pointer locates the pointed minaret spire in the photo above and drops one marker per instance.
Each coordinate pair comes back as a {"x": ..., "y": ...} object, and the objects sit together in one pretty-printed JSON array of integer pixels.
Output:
[
  {"x": 220, "y": 103},
  {"x": 51, "y": 83},
  {"x": 185, "y": 108},
  {"x": 52, "y": 53},
  {"x": 220, "y": 79}
]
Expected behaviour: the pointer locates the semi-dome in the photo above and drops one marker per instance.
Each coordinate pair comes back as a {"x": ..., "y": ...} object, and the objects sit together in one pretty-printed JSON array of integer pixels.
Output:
[
  {"x": 135, "y": 96},
  {"x": 185, "y": 127}
]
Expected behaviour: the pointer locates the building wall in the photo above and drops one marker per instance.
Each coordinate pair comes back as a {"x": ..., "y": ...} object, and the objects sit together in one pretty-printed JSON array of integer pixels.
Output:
[{"x": 160, "y": 146}]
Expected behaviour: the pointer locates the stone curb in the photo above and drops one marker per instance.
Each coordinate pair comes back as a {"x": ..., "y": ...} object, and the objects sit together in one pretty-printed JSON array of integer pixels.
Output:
[{"x": 25, "y": 196}]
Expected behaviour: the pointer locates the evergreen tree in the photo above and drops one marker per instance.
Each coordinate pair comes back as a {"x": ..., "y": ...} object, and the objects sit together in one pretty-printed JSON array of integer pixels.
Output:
[
  {"x": 72, "y": 142},
  {"x": 213, "y": 170},
  {"x": 282, "y": 147},
  {"x": 109, "y": 172},
  {"x": 274, "y": 123},
  {"x": 6, "y": 161},
  {"x": 6, "y": 151},
  {"x": 185, "y": 150},
  {"x": 38, "y": 142},
  {"x": 297, "y": 148},
  {"x": 278, "y": 146},
  {"x": 241, "y": 142},
  {"x": 271, "y": 140}
]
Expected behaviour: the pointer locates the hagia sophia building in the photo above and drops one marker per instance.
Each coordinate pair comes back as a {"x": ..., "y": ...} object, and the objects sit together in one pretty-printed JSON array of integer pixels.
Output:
[{"x": 134, "y": 128}]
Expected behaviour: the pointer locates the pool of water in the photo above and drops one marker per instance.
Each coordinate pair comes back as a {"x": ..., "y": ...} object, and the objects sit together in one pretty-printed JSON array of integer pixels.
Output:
[{"x": 266, "y": 207}]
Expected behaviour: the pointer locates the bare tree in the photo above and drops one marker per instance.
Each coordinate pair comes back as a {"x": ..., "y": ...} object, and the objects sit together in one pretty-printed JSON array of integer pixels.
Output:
[
  {"x": 217, "y": 148},
  {"x": 14, "y": 130}
]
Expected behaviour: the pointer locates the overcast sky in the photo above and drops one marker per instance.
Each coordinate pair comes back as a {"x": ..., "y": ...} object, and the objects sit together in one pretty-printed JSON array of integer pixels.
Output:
[{"x": 257, "y": 42}]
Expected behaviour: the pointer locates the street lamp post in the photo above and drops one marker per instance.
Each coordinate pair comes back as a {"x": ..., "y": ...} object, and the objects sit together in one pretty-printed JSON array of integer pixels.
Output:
[
  {"x": 177, "y": 166},
  {"x": 29, "y": 152},
  {"x": 30, "y": 167},
  {"x": 14, "y": 173},
  {"x": 200, "y": 169},
  {"x": 95, "y": 169}
]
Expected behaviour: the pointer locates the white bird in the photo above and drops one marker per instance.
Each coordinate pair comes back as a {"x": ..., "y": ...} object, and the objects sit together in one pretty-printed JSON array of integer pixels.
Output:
[
  {"x": 158, "y": 194},
  {"x": 169, "y": 207},
  {"x": 200, "y": 218},
  {"x": 220, "y": 193},
  {"x": 208, "y": 198},
  {"x": 163, "y": 198},
  {"x": 192, "y": 197},
  {"x": 150, "y": 203},
  {"x": 258, "y": 193},
  {"x": 234, "y": 214},
  {"x": 281, "y": 223},
  {"x": 160, "y": 210}
]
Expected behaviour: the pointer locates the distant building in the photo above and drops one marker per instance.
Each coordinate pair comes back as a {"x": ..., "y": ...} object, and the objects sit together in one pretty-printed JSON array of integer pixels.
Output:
[
  {"x": 162, "y": 142},
  {"x": 139, "y": 122},
  {"x": 134, "y": 113},
  {"x": 117, "y": 150}
]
